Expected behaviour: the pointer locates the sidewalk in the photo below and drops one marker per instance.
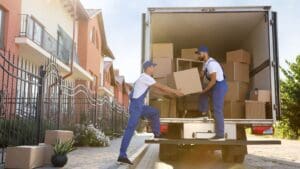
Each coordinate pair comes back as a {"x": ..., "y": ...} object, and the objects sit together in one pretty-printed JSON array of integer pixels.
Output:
[{"x": 101, "y": 157}]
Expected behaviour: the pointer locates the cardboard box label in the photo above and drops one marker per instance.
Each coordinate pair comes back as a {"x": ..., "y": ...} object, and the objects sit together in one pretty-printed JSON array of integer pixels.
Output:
[{"x": 188, "y": 81}]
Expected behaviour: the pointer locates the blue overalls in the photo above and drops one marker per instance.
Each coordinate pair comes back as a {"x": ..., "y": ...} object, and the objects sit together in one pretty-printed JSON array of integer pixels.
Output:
[
  {"x": 137, "y": 109},
  {"x": 218, "y": 93}
]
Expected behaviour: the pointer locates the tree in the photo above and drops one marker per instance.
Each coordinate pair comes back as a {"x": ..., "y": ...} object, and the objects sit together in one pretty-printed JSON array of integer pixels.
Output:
[{"x": 290, "y": 100}]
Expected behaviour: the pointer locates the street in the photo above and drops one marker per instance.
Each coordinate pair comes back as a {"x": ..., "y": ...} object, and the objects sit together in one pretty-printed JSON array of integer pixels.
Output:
[{"x": 285, "y": 156}]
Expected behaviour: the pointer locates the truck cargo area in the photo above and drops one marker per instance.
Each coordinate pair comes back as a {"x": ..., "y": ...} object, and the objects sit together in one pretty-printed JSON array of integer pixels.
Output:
[{"x": 221, "y": 32}]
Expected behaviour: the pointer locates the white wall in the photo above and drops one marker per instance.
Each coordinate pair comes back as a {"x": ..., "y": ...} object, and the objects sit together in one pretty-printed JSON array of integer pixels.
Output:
[
  {"x": 50, "y": 13},
  {"x": 257, "y": 44}
]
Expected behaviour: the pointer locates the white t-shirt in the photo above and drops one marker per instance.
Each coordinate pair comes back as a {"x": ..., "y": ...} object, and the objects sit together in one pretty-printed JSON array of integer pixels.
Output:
[
  {"x": 213, "y": 66},
  {"x": 142, "y": 84}
]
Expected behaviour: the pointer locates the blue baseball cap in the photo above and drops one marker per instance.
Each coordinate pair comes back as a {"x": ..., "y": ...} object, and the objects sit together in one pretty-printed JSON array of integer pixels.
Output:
[
  {"x": 202, "y": 48},
  {"x": 148, "y": 64}
]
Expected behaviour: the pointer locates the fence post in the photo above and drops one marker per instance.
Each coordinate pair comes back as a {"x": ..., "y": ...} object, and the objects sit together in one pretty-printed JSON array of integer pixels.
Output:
[
  {"x": 95, "y": 112},
  {"x": 59, "y": 102},
  {"x": 40, "y": 102}
]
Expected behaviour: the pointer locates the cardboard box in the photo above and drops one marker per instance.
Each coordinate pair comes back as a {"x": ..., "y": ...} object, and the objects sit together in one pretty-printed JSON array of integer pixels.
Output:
[
  {"x": 255, "y": 109},
  {"x": 237, "y": 91},
  {"x": 52, "y": 136},
  {"x": 189, "y": 53},
  {"x": 164, "y": 67},
  {"x": 261, "y": 95},
  {"x": 162, "y": 50},
  {"x": 236, "y": 71},
  {"x": 234, "y": 109},
  {"x": 24, "y": 157},
  {"x": 188, "y": 81},
  {"x": 48, "y": 152},
  {"x": 166, "y": 107},
  {"x": 240, "y": 56}
]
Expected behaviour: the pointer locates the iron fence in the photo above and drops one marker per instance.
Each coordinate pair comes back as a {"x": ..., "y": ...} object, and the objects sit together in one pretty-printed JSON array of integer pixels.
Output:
[{"x": 35, "y": 99}]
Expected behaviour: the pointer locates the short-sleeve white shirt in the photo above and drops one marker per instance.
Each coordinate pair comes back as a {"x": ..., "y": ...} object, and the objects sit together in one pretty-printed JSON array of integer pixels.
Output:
[
  {"x": 213, "y": 66},
  {"x": 142, "y": 84}
]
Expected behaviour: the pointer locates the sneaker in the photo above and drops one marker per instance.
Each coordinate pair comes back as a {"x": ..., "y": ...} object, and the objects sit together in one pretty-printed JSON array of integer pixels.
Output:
[
  {"x": 158, "y": 136},
  {"x": 124, "y": 160},
  {"x": 217, "y": 138}
]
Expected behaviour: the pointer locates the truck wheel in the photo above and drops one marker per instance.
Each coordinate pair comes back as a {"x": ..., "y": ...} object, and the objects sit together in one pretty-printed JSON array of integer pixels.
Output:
[
  {"x": 236, "y": 153},
  {"x": 231, "y": 154},
  {"x": 168, "y": 152}
]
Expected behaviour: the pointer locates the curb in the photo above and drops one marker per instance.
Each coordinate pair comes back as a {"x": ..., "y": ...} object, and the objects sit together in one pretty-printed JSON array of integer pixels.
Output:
[{"x": 136, "y": 158}]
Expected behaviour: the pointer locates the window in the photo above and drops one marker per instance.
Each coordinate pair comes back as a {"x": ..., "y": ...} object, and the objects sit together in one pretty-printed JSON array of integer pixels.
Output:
[
  {"x": 2, "y": 27},
  {"x": 38, "y": 33}
]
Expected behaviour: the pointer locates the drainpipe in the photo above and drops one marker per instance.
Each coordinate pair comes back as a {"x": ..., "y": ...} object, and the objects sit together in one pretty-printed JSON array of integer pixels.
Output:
[{"x": 73, "y": 43}]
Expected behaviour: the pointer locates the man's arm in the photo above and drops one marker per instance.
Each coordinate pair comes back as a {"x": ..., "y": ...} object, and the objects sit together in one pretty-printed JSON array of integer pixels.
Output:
[
  {"x": 167, "y": 89},
  {"x": 212, "y": 82}
]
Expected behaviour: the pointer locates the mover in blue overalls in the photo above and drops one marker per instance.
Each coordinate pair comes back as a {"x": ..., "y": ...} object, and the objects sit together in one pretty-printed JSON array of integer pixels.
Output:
[
  {"x": 138, "y": 109},
  {"x": 217, "y": 88}
]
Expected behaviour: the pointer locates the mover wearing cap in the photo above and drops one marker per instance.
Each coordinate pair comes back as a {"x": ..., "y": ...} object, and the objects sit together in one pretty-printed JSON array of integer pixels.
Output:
[
  {"x": 217, "y": 88},
  {"x": 138, "y": 109}
]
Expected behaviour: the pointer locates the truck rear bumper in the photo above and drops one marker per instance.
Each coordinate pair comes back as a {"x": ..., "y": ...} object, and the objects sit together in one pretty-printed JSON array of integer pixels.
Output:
[{"x": 211, "y": 142}]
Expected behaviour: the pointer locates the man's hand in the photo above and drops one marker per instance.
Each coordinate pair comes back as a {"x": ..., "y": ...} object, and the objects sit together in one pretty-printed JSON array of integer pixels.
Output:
[{"x": 178, "y": 93}]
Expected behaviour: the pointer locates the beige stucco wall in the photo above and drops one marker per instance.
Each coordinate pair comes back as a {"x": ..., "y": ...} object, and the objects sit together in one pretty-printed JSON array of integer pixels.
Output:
[{"x": 50, "y": 13}]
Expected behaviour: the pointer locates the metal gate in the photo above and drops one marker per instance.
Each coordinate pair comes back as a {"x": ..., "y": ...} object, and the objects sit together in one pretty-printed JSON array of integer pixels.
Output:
[{"x": 35, "y": 99}]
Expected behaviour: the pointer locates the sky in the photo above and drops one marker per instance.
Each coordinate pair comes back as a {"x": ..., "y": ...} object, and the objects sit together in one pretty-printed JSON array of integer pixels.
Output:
[{"x": 122, "y": 21}]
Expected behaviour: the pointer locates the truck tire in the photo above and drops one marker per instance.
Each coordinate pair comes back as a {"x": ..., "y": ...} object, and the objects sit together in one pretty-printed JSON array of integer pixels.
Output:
[
  {"x": 236, "y": 153},
  {"x": 170, "y": 151}
]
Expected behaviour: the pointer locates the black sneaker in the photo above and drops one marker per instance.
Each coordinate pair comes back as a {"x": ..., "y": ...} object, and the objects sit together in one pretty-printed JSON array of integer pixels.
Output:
[
  {"x": 158, "y": 136},
  {"x": 217, "y": 138},
  {"x": 124, "y": 160}
]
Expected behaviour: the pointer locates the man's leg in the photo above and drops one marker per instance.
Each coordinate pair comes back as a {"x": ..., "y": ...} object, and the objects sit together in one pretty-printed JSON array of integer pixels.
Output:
[
  {"x": 131, "y": 125},
  {"x": 153, "y": 115},
  {"x": 203, "y": 102},
  {"x": 219, "y": 93}
]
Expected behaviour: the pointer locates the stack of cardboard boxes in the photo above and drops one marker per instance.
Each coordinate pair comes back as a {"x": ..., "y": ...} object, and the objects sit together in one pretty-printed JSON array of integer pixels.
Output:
[
  {"x": 256, "y": 107},
  {"x": 188, "y": 80},
  {"x": 236, "y": 71},
  {"x": 162, "y": 55}
]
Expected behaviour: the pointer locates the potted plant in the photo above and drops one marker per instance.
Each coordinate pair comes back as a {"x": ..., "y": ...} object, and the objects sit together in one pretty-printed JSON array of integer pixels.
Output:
[{"x": 59, "y": 158}]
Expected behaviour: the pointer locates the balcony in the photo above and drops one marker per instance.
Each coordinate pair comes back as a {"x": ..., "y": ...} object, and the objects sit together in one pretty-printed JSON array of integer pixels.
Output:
[{"x": 37, "y": 45}]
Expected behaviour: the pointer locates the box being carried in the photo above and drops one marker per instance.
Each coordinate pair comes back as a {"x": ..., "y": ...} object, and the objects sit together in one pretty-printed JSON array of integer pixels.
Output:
[{"x": 188, "y": 81}]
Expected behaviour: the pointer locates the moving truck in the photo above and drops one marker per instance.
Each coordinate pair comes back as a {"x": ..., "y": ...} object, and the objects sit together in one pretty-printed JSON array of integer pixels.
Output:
[{"x": 222, "y": 29}]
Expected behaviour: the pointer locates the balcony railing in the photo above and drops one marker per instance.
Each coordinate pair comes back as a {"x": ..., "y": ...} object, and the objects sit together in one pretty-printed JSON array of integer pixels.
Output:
[{"x": 34, "y": 31}]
